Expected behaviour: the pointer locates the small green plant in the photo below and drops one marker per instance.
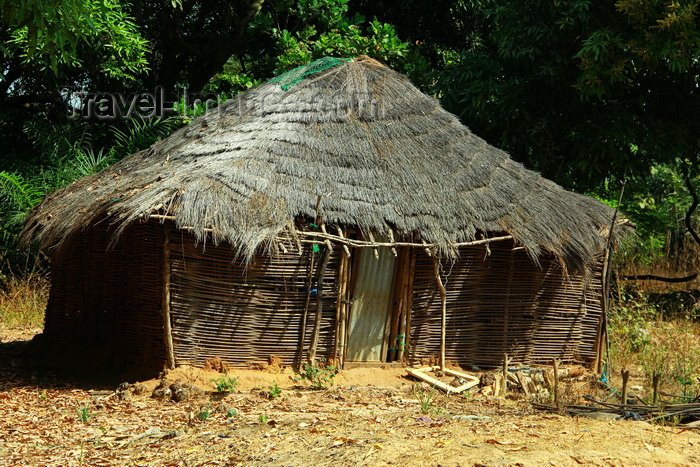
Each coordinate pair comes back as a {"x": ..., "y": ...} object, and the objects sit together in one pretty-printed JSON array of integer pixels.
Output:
[
  {"x": 225, "y": 383},
  {"x": 232, "y": 412},
  {"x": 204, "y": 413},
  {"x": 275, "y": 391},
  {"x": 468, "y": 396},
  {"x": 320, "y": 376},
  {"x": 83, "y": 413},
  {"x": 43, "y": 396},
  {"x": 425, "y": 398},
  {"x": 263, "y": 418}
]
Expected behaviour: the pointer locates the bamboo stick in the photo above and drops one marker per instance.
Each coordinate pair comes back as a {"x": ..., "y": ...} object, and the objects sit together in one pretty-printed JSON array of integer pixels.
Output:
[
  {"x": 342, "y": 287},
  {"x": 505, "y": 375},
  {"x": 555, "y": 364},
  {"x": 345, "y": 284},
  {"x": 359, "y": 243},
  {"x": 409, "y": 305},
  {"x": 443, "y": 302},
  {"x": 391, "y": 240},
  {"x": 319, "y": 305},
  {"x": 309, "y": 282},
  {"x": 345, "y": 247},
  {"x": 375, "y": 251}
]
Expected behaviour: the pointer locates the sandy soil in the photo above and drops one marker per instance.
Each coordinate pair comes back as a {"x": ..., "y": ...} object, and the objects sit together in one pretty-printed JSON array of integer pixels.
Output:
[{"x": 368, "y": 417}]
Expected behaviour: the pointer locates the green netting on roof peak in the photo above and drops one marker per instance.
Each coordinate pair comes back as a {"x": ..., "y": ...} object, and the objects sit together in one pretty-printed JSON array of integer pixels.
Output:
[{"x": 292, "y": 77}]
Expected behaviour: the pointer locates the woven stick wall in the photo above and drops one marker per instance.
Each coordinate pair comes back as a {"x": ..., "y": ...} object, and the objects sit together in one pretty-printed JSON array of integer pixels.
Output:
[
  {"x": 503, "y": 303},
  {"x": 104, "y": 309},
  {"x": 245, "y": 313}
]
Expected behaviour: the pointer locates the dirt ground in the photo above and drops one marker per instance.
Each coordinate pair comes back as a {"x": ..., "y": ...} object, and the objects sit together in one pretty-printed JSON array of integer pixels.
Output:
[{"x": 368, "y": 417}]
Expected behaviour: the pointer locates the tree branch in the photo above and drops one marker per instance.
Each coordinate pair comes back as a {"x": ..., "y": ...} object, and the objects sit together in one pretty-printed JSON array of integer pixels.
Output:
[
  {"x": 652, "y": 277},
  {"x": 691, "y": 210}
]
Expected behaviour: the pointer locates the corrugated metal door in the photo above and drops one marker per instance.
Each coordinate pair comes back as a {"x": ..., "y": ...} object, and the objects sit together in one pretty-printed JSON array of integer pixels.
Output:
[{"x": 370, "y": 308}]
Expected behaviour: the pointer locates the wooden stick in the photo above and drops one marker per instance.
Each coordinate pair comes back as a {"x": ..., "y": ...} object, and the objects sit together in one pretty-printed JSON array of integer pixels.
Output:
[
  {"x": 391, "y": 240},
  {"x": 371, "y": 238},
  {"x": 343, "y": 302},
  {"x": 625, "y": 380},
  {"x": 443, "y": 321},
  {"x": 555, "y": 364},
  {"x": 167, "y": 328},
  {"x": 505, "y": 375},
  {"x": 345, "y": 247},
  {"x": 309, "y": 282},
  {"x": 396, "y": 307},
  {"x": 409, "y": 306},
  {"x": 421, "y": 373},
  {"x": 523, "y": 383},
  {"x": 319, "y": 305},
  {"x": 358, "y": 243},
  {"x": 427, "y": 248},
  {"x": 338, "y": 306},
  {"x": 656, "y": 379}
]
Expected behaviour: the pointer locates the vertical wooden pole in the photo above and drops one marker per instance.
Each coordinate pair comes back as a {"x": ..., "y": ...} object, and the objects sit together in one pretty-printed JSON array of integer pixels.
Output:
[
  {"x": 345, "y": 299},
  {"x": 340, "y": 309},
  {"x": 625, "y": 380},
  {"x": 319, "y": 302},
  {"x": 601, "y": 332},
  {"x": 655, "y": 380},
  {"x": 404, "y": 355},
  {"x": 555, "y": 364},
  {"x": 167, "y": 328},
  {"x": 443, "y": 320},
  {"x": 305, "y": 314},
  {"x": 505, "y": 375}
]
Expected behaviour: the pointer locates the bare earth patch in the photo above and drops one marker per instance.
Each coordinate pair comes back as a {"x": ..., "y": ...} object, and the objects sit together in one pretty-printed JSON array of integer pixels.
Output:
[{"x": 369, "y": 417}]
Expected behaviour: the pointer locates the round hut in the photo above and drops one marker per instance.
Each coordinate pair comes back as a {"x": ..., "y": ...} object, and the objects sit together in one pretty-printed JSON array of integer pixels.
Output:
[{"x": 333, "y": 212}]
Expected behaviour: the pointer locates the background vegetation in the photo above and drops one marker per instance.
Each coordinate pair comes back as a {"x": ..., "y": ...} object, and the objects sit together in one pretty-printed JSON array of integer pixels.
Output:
[{"x": 589, "y": 93}]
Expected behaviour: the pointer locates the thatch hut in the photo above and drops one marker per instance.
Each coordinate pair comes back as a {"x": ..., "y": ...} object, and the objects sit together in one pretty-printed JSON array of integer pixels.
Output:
[{"x": 337, "y": 212}]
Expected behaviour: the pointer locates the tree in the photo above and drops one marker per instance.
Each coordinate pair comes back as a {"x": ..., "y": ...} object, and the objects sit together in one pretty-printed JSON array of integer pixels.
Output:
[
  {"x": 582, "y": 90},
  {"x": 589, "y": 93},
  {"x": 47, "y": 44},
  {"x": 242, "y": 41}
]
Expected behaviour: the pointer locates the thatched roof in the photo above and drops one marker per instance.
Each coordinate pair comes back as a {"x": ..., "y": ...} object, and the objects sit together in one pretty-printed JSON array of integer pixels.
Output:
[{"x": 380, "y": 153}]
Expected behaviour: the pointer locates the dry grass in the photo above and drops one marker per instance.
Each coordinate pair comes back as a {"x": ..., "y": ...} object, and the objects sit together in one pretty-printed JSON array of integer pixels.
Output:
[
  {"x": 640, "y": 341},
  {"x": 23, "y": 301}
]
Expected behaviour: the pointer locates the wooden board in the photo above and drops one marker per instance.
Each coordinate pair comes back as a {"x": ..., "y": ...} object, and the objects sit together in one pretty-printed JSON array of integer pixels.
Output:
[{"x": 422, "y": 373}]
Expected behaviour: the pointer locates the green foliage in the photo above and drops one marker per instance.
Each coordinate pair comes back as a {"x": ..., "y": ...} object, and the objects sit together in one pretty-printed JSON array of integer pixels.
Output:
[
  {"x": 204, "y": 413},
  {"x": 328, "y": 31},
  {"x": 320, "y": 376},
  {"x": 263, "y": 418},
  {"x": 657, "y": 200},
  {"x": 225, "y": 383},
  {"x": 425, "y": 398},
  {"x": 275, "y": 391},
  {"x": 83, "y": 413},
  {"x": 577, "y": 89},
  {"x": 138, "y": 134},
  {"x": 630, "y": 320},
  {"x": 57, "y": 34},
  {"x": 63, "y": 152},
  {"x": 639, "y": 338}
]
